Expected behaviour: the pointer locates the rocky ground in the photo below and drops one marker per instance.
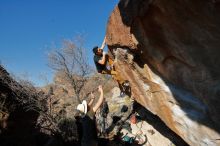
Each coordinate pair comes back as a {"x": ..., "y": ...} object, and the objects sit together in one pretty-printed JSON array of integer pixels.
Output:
[{"x": 148, "y": 128}]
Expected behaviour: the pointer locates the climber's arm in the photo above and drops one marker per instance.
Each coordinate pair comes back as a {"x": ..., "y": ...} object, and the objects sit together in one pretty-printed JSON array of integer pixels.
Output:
[
  {"x": 92, "y": 99},
  {"x": 103, "y": 60},
  {"x": 103, "y": 44},
  {"x": 101, "y": 98}
]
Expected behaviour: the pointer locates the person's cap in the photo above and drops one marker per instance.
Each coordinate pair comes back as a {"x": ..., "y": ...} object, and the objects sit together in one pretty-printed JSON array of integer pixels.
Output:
[
  {"x": 95, "y": 49},
  {"x": 82, "y": 107}
]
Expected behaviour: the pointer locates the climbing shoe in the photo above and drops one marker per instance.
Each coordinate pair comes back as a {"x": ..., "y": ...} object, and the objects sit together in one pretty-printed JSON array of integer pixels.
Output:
[
  {"x": 122, "y": 94},
  {"x": 126, "y": 83}
]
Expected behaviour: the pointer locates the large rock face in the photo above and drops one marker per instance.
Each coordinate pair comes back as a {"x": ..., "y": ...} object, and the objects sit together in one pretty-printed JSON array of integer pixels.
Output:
[{"x": 169, "y": 51}]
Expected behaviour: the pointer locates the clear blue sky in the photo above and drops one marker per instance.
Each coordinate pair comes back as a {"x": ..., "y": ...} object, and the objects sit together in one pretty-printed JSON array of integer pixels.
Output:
[{"x": 29, "y": 27}]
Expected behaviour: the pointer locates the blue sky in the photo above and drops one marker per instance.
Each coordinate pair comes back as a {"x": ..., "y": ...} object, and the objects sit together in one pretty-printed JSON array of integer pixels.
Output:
[{"x": 28, "y": 28}]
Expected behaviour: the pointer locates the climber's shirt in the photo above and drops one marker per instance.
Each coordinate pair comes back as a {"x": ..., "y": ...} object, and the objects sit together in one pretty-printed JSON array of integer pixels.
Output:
[
  {"x": 89, "y": 129},
  {"x": 99, "y": 67}
]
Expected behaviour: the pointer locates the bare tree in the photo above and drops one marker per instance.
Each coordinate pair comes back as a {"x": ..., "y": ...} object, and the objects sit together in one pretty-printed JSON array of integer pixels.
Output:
[{"x": 71, "y": 59}]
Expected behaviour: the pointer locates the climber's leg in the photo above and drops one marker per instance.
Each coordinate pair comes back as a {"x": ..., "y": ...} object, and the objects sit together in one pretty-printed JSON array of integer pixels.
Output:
[
  {"x": 122, "y": 84},
  {"x": 110, "y": 62},
  {"x": 114, "y": 75}
]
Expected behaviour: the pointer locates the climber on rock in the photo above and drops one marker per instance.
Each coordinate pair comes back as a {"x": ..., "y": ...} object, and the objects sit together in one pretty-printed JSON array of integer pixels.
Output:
[
  {"x": 86, "y": 112},
  {"x": 101, "y": 59}
]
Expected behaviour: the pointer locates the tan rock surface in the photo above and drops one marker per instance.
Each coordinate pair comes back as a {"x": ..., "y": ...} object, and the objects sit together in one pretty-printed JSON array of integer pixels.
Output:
[{"x": 173, "y": 62}]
